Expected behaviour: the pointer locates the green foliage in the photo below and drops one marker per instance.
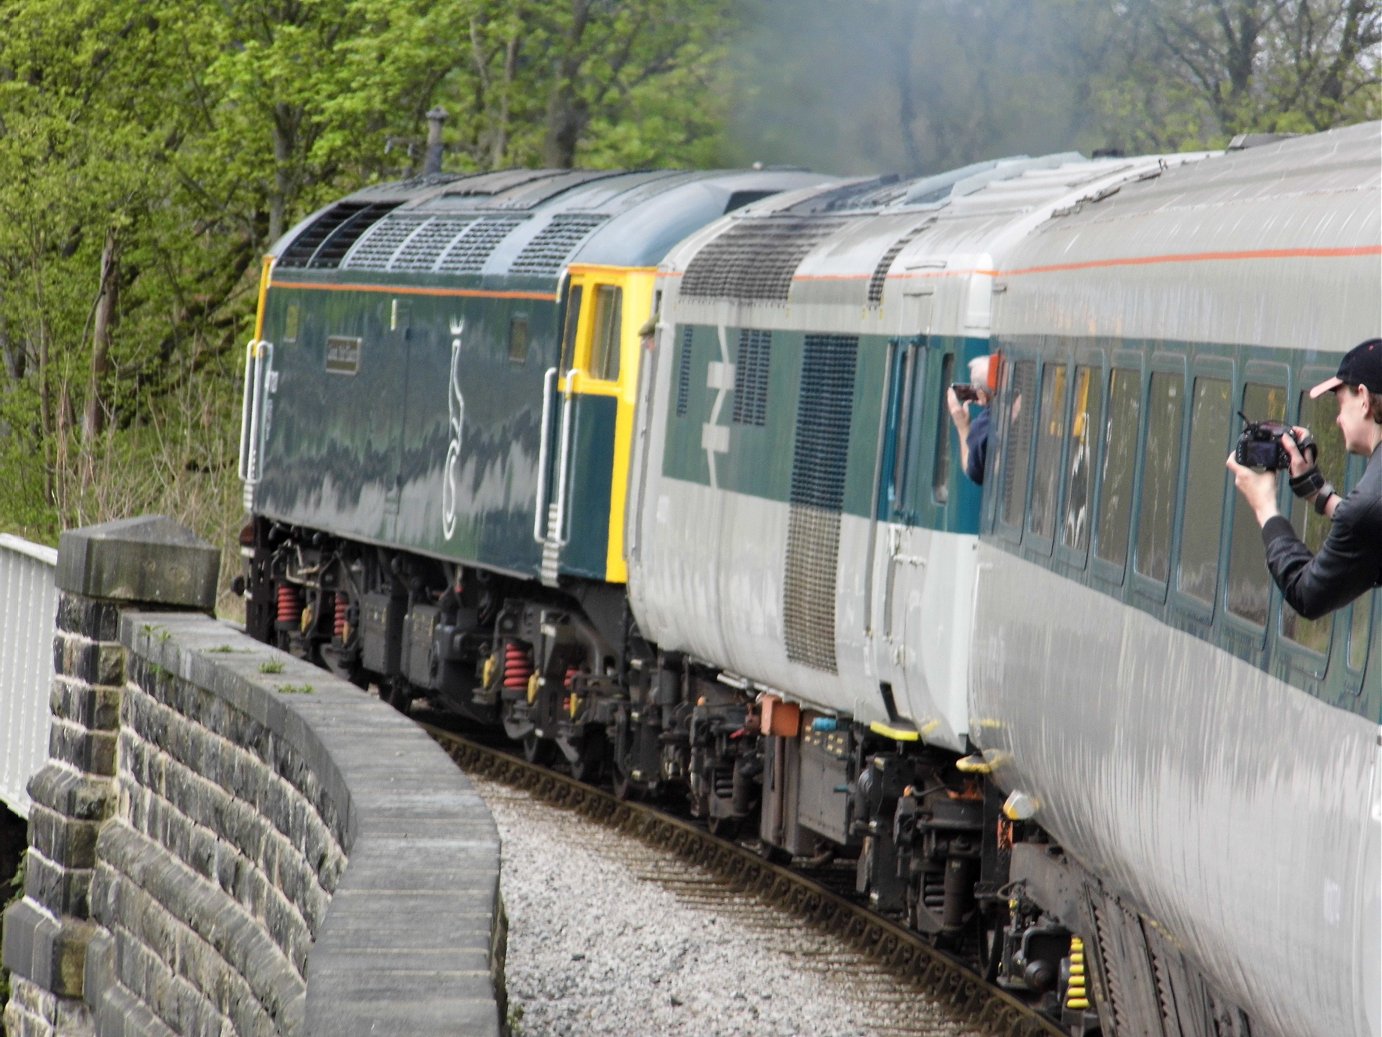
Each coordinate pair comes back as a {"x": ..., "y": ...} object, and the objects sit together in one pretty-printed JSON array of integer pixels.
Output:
[
  {"x": 271, "y": 666},
  {"x": 152, "y": 150}
]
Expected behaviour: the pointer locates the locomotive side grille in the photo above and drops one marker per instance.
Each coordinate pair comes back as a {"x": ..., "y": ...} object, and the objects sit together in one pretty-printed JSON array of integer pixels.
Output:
[
  {"x": 754, "y": 259},
  {"x": 375, "y": 249},
  {"x": 751, "y": 377},
  {"x": 808, "y": 587},
  {"x": 684, "y": 373},
  {"x": 817, "y": 499},
  {"x": 827, "y": 407},
  {"x": 330, "y": 235},
  {"x": 468, "y": 252},
  {"x": 554, "y": 244}
]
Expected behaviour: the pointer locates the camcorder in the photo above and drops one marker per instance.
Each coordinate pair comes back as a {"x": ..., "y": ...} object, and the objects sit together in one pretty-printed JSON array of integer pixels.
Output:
[
  {"x": 1259, "y": 445},
  {"x": 964, "y": 392}
]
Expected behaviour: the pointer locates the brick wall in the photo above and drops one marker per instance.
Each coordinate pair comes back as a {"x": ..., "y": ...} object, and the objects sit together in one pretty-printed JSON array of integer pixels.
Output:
[{"x": 228, "y": 841}]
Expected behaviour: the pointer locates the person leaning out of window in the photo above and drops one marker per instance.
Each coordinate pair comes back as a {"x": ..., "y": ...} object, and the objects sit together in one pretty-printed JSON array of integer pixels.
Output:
[
  {"x": 974, "y": 434},
  {"x": 1349, "y": 562}
]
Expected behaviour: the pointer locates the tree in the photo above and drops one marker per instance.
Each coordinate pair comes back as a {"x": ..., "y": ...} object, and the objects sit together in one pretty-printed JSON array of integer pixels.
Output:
[{"x": 152, "y": 150}]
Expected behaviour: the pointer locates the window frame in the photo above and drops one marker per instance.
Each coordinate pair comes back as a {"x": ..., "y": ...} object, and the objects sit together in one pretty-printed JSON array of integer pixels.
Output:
[
  {"x": 1219, "y": 369},
  {"x": 1147, "y": 587},
  {"x": 1106, "y": 572},
  {"x": 1096, "y": 362},
  {"x": 1244, "y": 637},
  {"x": 1038, "y": 543}
]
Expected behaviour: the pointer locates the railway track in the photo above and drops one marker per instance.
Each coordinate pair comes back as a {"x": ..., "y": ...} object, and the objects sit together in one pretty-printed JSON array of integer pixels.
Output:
[{"x": 807, "y": 897}]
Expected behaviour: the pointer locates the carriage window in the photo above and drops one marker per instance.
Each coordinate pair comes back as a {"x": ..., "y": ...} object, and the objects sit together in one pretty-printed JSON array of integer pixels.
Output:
[
  {"x": 1018, "y": 441},
  {"x": 1160, "y": 466},
  {"x": 604, "y": 342},
  {"x": 1120, "y": 446},
  {"x": 1079, "y": 497},
  {"x": 1210, "y": 414},
  {"x": 940, "y": 481},
  {"x": 1249, "y": 585},
  {"x": 1049, "y": 440},
  {"x": 568, "y": 336},
  {"x": 1318, "y": 417}
]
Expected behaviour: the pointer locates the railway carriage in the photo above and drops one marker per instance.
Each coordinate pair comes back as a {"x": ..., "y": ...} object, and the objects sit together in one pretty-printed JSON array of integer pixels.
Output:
[{"x": 1181, "y": 734}]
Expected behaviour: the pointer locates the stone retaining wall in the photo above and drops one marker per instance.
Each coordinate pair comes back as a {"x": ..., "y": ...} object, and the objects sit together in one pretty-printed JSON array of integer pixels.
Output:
[{"x": 228, "y": 841}]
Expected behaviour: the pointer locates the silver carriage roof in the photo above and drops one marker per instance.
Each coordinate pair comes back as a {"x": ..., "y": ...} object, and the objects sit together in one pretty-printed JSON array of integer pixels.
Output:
[
  {"x": 520, "y": 222},
  {"x": 1279, "y": 245},
  {"x": 873, "y": 244}
]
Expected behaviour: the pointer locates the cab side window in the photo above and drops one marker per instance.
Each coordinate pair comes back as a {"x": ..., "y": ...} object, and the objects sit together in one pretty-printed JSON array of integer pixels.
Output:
[{"x": 604, "y": 342}]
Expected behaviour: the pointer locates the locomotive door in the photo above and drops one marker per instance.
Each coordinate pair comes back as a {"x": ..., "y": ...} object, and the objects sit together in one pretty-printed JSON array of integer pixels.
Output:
[{"x": 589, "y": 406}]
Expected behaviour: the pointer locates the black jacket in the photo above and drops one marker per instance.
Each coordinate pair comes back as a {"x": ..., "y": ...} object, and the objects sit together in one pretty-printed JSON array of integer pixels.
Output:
[{"x": 1349, "y": 562}]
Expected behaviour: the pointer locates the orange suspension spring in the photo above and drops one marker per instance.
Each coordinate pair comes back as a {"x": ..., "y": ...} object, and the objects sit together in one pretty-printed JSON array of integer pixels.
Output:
[
  {"x": 289, "y": 605},
  {"x": 342, "y": 616},
  {"x": 518, "y": 666}
]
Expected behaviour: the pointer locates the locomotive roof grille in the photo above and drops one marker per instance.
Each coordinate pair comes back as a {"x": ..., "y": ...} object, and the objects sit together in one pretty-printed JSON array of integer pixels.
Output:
[
  {"x": 468, "y": 251},
  {"x": 755, "y": 259},
  {"x": 554, "y": 244},
  {"x": 880, "y": 272},
  {"x": 329, "y": 237}
]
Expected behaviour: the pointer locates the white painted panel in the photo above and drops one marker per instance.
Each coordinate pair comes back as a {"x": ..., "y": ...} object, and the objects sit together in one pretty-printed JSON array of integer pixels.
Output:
[{"x": 28, "y": 607}]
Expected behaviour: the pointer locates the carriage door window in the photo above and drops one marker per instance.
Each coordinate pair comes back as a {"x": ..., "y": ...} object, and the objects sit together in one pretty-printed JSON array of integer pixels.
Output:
[
  {"x": 1249, "y": 585},
  {"x": 1120, "y": 448},
  {"x": 940, "y": 478},
  {"x": 1318, "y": 417},
  {"x": 1079, "y": 495},
  {"x": 909, "y": 375},
  {"x": 1210, "y": 414},
  {"x": 1160, "y": 466}
]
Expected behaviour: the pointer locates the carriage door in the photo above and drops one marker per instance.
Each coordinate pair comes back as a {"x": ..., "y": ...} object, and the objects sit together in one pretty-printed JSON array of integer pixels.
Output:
[
  {"x": 589, "y": 423},
  {"x": 899, "y": 556}
]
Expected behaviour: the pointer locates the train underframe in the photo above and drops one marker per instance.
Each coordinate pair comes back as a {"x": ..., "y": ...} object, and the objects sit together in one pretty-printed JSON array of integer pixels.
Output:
[{"x": 567, "y": 675}]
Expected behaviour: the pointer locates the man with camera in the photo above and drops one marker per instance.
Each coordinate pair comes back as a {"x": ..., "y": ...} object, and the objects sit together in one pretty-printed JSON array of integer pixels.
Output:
[
  {"x": 1349, "y": 562},
  {"x": 974, "y": 435}
]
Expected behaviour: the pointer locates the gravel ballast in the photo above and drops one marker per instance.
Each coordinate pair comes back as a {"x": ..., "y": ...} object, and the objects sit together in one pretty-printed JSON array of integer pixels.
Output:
[{"x": 610, "y": 937}]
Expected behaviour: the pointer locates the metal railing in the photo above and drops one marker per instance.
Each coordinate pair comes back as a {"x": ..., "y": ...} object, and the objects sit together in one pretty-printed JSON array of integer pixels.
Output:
[{"x": 28, "y": 609}]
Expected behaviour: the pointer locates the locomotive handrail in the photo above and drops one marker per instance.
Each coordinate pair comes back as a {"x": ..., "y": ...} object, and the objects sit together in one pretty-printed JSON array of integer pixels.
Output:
[
  {"x": 246, "y": 410},
  {"x": 261, "y": 355},
  {"x": 564, "y": 454},
  {"x": 543, "y": 450}
]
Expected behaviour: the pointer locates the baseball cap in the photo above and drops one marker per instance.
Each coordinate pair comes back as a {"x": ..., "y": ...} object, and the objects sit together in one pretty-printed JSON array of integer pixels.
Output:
[{"x": 1361, "y": 365}]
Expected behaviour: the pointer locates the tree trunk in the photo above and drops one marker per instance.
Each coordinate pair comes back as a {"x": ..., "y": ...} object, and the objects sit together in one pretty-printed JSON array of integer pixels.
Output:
[{"x": 94, "y": 416}]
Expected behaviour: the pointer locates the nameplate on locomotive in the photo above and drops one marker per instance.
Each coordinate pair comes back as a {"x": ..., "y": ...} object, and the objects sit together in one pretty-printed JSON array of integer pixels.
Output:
[{"x": 342, "y": 355}]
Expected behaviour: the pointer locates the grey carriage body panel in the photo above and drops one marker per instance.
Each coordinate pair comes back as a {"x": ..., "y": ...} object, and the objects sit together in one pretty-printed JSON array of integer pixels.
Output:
[{"x": 1208, "y": 780}]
